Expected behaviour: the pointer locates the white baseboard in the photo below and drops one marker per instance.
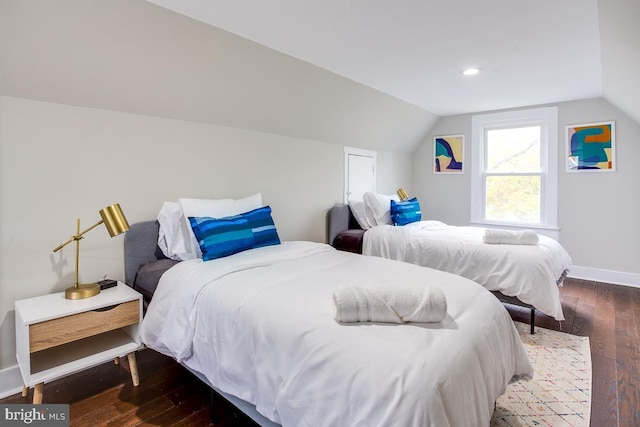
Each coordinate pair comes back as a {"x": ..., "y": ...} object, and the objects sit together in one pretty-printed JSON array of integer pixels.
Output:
[
  {"x": 606, "y": 276},
  {"x": 10, "y": 381}
]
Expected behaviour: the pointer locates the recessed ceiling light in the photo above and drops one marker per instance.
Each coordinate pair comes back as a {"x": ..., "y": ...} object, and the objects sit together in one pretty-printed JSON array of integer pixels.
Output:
[{"x": 471, "y": 71}]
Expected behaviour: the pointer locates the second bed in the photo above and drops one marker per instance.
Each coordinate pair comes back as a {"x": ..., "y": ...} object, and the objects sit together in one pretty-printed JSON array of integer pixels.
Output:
[{"x": 527, "y": 275}]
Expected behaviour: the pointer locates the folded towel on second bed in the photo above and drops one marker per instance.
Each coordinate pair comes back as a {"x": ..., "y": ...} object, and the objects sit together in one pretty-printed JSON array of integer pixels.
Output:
[
  {"x": 390, "y": 304},
  {"x": 511, "y": 237}
]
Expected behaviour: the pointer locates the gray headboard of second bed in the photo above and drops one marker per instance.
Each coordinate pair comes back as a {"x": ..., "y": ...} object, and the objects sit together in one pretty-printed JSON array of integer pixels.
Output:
[{"x": 343, "y": 231}]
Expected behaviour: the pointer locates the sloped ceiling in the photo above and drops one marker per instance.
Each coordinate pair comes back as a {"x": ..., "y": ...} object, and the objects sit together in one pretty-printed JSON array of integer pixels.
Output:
[
  {"x": 530, "y": 52},
  {"x": 134, "y": 56},
  {"x": 366, "y": 73}
]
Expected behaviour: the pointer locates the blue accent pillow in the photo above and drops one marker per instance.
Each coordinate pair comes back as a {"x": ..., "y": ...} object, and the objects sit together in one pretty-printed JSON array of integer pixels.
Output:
[
  {"x": 220, "y": 237},
  {"x": 405, "y": 212}
]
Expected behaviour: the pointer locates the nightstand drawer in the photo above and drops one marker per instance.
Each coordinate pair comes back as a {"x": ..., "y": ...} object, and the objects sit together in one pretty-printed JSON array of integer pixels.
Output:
[{"x": 66, "y": 329}]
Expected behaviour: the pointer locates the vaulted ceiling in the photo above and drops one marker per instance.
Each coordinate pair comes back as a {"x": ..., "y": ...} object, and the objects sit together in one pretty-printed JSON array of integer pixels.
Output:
[{"x": 529, "y": 53}]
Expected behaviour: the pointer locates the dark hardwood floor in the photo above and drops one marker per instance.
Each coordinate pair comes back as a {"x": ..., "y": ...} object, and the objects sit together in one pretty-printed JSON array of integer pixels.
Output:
[
  {"x": 610, "y": 316},
  {"x": 168, "y": 395}
]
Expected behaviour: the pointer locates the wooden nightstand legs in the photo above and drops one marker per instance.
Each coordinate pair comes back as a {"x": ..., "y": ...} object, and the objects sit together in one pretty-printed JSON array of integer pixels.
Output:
[
  {"x": 133, "y": 366},
  {"x": 37, "y": 393}
]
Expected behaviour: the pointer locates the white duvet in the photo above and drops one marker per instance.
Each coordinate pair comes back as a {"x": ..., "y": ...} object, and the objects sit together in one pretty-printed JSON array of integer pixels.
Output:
[
  {"x": 259, "y": 325},
  {"x": 529, "y": 272}
]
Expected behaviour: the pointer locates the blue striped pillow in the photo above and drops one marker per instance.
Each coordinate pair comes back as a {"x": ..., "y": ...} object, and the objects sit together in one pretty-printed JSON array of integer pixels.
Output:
[
  {"x": 220, "y": 237},
  {"x": 405, "y": 212}
]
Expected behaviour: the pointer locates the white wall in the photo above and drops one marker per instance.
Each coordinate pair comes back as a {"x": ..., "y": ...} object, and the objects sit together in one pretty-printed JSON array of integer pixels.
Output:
[
  {"x": 393, "y": 172},
  {"x": 597, "y": 212},
  {"x": 60, "y": 162}
]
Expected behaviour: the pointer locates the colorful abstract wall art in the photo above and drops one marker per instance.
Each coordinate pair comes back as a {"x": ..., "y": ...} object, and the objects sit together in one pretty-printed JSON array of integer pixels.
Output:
[
  {"x": 448, "y": 154},
  {"x": 591, "y": 147}
]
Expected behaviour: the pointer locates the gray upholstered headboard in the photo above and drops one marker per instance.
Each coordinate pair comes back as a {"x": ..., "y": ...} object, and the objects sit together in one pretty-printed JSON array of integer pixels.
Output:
[
  {"x": 140, "y": 247},
  {"x": 339, "y": 219}
]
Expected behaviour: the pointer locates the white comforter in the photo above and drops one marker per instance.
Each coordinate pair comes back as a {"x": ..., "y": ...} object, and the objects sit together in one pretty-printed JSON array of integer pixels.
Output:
[
  {"x": 529, "y": 272},
  {"x": 259, "y": 325}
]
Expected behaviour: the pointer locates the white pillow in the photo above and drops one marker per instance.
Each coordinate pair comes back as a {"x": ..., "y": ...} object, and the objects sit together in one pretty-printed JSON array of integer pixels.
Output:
[
  {"x": 357, "y": 209},
  {"x": 172, "y": 233},
  {"x": 213, "y": 209},
  {"x": 377, "y": 208}
]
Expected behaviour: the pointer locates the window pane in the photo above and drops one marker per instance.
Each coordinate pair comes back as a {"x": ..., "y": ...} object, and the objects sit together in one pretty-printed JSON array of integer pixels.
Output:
[
  {"x": 513, "y": 199},
  {"x": 514, "y": 150}
]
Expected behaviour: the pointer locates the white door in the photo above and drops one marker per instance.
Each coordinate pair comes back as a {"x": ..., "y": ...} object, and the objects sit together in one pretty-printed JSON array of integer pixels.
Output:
[{"x": 360, "y": 173}]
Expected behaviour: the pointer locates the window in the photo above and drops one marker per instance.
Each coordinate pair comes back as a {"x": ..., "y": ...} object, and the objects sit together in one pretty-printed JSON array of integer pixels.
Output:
[{"x": 514, "y": 169}]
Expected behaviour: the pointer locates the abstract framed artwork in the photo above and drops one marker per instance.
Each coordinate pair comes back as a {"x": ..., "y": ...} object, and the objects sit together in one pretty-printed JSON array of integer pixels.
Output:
[
  {"x": 448, "y": 154},
  {"x": 591, "y": 147}
]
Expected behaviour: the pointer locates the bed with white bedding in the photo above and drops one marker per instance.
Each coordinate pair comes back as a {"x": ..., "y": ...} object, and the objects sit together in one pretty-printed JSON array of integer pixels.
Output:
[
  {"x": 527, "y": 275},
  {"x": 258, "y": 326},
  {"x": 530, "y": 272}
]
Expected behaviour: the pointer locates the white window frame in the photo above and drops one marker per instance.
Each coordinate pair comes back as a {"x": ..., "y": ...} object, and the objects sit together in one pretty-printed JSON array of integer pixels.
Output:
[{"x": 547, "y": 118}]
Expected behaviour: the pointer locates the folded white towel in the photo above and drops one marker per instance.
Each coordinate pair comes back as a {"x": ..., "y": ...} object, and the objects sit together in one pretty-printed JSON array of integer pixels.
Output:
[
  {"x": 510, "y": 237},
  {"x": 390, "y": 304}
]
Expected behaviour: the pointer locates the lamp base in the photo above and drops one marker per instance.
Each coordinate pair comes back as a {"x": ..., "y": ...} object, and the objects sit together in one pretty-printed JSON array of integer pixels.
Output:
[{"x": 82, "y": 291}]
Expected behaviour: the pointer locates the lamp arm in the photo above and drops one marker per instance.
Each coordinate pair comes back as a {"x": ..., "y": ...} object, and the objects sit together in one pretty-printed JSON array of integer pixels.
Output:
[{"x": 77, "y": 236}]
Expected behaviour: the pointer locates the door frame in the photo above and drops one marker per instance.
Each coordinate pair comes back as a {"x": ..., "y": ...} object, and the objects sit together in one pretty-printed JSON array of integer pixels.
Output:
[{"x": 357, "y": 152}]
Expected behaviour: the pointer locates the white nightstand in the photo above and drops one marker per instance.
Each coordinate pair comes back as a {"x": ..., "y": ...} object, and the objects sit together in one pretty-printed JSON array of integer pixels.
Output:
[{"x": 56, "y": 337}]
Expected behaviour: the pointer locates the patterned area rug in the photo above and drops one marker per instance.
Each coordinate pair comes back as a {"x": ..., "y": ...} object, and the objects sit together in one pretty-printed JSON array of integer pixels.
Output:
[{"x": 560, "y": 392}]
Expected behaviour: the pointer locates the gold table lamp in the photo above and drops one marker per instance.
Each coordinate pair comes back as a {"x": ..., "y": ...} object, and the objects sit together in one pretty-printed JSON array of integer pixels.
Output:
[
  {"x": 402, "y": 194},
  {"x": 116, "y": 223}
]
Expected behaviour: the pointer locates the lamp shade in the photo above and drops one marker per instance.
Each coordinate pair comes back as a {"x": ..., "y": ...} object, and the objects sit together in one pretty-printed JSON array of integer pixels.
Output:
[
  {"x": 114, "y": 220},
  {"x": 402, "y": 194}
]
